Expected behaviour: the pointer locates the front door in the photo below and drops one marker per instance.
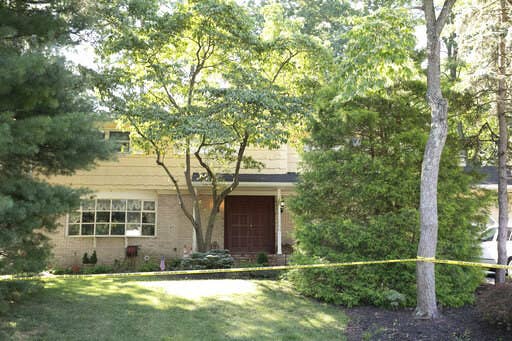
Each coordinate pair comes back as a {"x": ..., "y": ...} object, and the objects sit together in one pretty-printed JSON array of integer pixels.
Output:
[{"x": 249, "y": 224}]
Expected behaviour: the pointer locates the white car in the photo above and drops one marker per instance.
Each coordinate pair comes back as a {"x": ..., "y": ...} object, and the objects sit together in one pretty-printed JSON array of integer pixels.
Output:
[{"x": 489, "y": 246}]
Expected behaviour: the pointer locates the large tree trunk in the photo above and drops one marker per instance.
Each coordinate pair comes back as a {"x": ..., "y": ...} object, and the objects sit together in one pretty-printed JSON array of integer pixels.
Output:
[
  {"x": 425, "y": 272},
  {"x": 204, "y": 240},
  {"x": 502, "y": 148},
  {"x": 426, "y": 284}
]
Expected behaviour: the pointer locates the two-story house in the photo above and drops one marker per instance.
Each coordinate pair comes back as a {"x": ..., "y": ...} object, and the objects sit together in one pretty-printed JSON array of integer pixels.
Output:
[{"x": 133, "y": 203}]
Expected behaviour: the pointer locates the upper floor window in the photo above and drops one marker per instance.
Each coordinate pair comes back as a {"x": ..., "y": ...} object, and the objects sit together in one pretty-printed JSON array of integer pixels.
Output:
[
  {"x": 113, "y": 217},
  {"x": 121, "y": 139}
]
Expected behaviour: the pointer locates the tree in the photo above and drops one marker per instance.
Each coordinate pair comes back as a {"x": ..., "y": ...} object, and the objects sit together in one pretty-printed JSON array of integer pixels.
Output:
[
  {"x": 200, "y": 81},
  {"x": 483, "y": 30},
  {"x": 358, "y": 200},
  {"x": 426, "y": 285},
  {"x": 45, "y": 125},
  {"x": 326, "y": 19}
]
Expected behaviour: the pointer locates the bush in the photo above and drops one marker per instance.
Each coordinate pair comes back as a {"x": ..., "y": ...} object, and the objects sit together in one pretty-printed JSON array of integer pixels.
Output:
[
  {"x": 98, "y": 269},
  {"x": 213, "y": 259},
  {"x": 94, "y": 258},
  {"x": 262, "y": 259},
  {"x": 120, "y": 265},
  {"x": 358, "y": 199},
  {"x": 173, "y": 263},
  {"x": 75, "y": 270},
  {"x": 495, "y": 305},
  {"x": 148, "y": 267},
  {"x": 85, "y": 259}
]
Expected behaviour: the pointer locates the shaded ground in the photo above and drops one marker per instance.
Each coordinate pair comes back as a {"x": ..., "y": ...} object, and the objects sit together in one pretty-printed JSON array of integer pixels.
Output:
[
  {"x": 225, "y": 309},
  {"x": 370, "y": 323},
  {"x": 96, "y": 309},
  {"x": 461, "y": 324}
]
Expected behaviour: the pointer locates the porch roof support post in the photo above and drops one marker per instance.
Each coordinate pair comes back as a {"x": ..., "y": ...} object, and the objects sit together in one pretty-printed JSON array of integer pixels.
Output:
[{"x": 279, "y": 219}]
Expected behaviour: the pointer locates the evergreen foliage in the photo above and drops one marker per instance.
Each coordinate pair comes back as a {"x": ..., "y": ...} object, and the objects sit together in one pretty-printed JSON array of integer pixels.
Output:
[
  {"x": 358, "y": 200},
  {"x": 85, "y": 258},
  {"x": 45, "y": 128},
  {"x": 94, "y": 258},
  {"x": 262, "y": 259},
  {"x": 212, "y": 259}
]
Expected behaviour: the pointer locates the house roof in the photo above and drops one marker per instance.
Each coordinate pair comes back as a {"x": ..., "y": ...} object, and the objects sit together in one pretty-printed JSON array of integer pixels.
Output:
[
  {"x": 490, "y": 174},
  {"x": 289, "y": 177}
]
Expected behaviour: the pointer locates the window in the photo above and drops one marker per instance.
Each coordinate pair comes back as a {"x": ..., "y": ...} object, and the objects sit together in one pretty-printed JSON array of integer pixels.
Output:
[
  {"x": 121, "y": 140},
  {"x": 488, "y": 235},
  {"x": 113, "y": 217}
]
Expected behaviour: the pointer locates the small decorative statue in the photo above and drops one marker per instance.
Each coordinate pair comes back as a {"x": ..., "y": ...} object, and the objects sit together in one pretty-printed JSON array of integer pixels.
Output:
[{"x": 162, "y": 263}]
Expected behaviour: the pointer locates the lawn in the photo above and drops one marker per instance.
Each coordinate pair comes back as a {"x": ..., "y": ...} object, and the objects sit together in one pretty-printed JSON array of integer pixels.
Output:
[{"x": 161, "y": 309}]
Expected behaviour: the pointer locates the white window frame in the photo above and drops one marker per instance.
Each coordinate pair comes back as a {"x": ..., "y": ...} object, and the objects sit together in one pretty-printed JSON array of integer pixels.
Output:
[{"x": 142, "y": 199}]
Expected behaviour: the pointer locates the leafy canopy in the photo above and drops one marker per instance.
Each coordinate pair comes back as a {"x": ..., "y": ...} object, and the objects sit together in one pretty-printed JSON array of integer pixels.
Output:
[
  {"x": 202, "y": 81},
  {"x": 201, "y": 72}
]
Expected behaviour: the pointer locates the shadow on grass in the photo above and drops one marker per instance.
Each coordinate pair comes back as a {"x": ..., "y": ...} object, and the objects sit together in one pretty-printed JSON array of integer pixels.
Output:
[{"x": 160, "y": 309}]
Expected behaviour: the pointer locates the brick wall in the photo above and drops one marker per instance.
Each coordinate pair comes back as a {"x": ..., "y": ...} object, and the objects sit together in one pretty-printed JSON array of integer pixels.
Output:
[{"x": 173, "y": 233}]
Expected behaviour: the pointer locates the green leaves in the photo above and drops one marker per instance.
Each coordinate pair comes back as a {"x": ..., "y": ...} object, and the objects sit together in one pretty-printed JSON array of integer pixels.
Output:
[
  {"x": 358, "y": 200},
  {"x": 194, "y": 71},
  {"x": 46, "y": 127},
  {"x": 377, "y": 53}
]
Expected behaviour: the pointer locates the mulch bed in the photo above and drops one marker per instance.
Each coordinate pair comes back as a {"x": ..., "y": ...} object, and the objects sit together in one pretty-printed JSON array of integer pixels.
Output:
[
  {"x": 370, "y": 323},
  {"x": 461, "y": 324}
]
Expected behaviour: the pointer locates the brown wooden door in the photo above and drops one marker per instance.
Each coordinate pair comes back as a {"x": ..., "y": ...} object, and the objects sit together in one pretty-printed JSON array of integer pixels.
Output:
[{"x": 249, "y": 224}]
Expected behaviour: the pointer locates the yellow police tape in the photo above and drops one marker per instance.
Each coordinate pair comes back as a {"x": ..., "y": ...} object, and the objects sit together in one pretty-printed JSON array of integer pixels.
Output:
[{"x": 267, "y": 268}]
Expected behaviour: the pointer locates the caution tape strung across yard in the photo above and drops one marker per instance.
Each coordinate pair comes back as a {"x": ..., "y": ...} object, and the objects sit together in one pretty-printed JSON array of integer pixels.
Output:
[{"x": 266, "y": 268}]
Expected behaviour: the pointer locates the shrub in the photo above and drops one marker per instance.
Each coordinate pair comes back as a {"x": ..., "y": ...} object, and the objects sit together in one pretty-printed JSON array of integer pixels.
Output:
[
  {"x": 94, "y": 258},
  {"x": 394, "y": 299},
  {"x": 213, "y": 259},
  {"x": 357, "y": 199},
  {"x": 495, "y": 305},
  {"x": 262, "y": 259},
  {"x": 148, "y": 267},
  {"x": 173, "y": 263},
  {"x": 120, "y": 265},
  {"x": 85, "y": 259},
  {"x": 99, "y": 269}
]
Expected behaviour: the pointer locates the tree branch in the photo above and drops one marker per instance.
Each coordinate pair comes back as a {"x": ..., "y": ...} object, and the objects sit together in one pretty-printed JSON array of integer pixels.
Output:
[
  {"x": 283, "y": 64},
  {"x": 169, "y": 95},
  {"x": 196, "y": 220},
  {"x": 160, "y": 162},
  {"x": 194, "y": 71},
  {"x": 236, "y": 178},
  {"x": 207, "y": 167},
  {"x": 443, "y": 16}
]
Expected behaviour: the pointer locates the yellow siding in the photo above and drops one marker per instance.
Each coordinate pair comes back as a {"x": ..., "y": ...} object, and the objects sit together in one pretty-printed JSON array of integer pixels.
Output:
[
  {"x": 140, "y": 171},
  {"x": 137, "y": 175}
]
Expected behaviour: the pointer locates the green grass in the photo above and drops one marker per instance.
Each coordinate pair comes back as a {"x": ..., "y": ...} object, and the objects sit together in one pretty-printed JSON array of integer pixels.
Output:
[{"x": 159, "y": 309}]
